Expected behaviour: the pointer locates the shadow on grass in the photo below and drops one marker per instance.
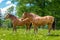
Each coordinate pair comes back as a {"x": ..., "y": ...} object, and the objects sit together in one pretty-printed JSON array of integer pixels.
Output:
[{"x": 53, "y": 35}]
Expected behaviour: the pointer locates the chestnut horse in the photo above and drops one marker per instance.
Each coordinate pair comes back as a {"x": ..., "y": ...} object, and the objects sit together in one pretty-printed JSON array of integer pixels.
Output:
[
  {"x": 18, "y": 22},
  {"x": 40, "y": 21}
]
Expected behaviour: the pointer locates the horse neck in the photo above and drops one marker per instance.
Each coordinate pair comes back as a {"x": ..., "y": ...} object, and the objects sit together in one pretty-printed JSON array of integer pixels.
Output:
[
  {"x": 21, "y": 22},
  {"x": 12, "y": 17},
  {"x": 33, "y": 16}
]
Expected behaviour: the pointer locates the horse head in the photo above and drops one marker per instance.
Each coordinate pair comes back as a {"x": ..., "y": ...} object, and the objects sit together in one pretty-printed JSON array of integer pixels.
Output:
[
  {"x": 8, "y": 15},
  {"x": 27, "y": 15}
]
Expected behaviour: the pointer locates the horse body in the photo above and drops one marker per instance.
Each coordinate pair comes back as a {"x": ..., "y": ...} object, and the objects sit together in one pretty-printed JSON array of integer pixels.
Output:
[{"x": 39, "y": 21}]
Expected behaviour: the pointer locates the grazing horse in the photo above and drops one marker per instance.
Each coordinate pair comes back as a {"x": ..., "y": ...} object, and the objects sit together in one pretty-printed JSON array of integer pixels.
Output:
[
  {"x": 40, "y": 21},
  {"x": 18, "y": 22}
]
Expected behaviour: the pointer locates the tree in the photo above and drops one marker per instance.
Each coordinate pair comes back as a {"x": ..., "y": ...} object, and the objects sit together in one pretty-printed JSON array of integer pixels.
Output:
[
  {"x": 40, "y": 7},
  {"x": 10, "y": 9},
  {"x": 0, "y": 18}
]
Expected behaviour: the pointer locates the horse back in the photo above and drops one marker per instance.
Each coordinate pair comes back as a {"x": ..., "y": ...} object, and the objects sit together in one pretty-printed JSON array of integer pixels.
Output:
[{"x": 49, "y": 19}]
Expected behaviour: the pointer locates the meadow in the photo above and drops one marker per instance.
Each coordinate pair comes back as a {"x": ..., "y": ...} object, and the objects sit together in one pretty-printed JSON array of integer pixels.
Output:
[{"x": 21, "y": 34}]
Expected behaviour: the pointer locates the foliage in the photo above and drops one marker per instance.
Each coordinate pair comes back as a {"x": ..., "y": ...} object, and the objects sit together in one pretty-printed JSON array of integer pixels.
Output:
[
  {"x": 7, "y": 23},
  {"x": 40, "y": 7},
  {"x": 10, "y": 9},
  {"x": 1, "y": 22}
]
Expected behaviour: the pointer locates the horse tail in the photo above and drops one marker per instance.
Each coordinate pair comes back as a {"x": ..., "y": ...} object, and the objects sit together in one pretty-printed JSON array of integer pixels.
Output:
[{"x": 54, "y": 24}]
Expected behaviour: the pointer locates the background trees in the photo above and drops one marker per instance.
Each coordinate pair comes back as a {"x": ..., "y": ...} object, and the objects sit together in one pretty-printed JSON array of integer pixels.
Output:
[
  {"x": 40, "y": 7},
  {"x": 0, "y": 18}
]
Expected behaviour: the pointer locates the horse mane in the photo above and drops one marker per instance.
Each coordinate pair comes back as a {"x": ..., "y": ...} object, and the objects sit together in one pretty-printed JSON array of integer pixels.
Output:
[
  {"x": 12, "y": 15},
  {"x": 31, "y": 14},
  {"x": 35, "y": 14}
]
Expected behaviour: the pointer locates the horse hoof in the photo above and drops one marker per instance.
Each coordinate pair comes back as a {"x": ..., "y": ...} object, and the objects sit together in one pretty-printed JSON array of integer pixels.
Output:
[{"x": 48, "y": 34}]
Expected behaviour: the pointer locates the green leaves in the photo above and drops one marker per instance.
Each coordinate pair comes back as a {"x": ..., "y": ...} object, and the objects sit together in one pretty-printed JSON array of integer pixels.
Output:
[
  {"x": 10, "y": 9},
  {"x": 40, "y": 7}
]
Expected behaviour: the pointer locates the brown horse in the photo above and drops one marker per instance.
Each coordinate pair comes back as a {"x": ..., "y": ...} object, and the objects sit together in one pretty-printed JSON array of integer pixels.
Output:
[
  {"x": 18, "y": 22},
  {"x": 40, "y": 21}
]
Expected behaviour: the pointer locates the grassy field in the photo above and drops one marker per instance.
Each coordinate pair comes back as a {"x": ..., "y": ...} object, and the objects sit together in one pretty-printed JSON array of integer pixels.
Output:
[{"x": 21, "y": 34}]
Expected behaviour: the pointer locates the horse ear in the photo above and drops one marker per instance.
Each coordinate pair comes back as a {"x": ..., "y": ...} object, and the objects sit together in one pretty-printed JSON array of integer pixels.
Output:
[
  {"x": 8, "y": 13},
  {"x": 25, "y": 12}
]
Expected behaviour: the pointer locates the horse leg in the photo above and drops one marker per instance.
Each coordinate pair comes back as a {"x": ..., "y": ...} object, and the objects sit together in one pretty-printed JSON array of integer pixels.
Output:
[
  {"x": 28, "y": 28},
  {"x": 49, "y": 28},
  {"x": 35, "y": 29},
  {"x": 14, "y": 28}
]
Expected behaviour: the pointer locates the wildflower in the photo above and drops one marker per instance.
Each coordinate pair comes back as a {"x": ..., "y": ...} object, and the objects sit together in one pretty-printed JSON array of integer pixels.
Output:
[
  {"x": 4, "y": 34},
  {"x": 1, "y": 39}
]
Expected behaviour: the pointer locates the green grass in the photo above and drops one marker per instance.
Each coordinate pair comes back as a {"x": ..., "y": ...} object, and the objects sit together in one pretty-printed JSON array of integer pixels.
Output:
[{"x": 21, "y": 34}]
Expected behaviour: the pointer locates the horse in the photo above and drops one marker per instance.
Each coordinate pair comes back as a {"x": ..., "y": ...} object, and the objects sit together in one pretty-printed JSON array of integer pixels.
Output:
[
  {"x": 18, "y": 21},
  {"x": 37, "y": 20}
]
